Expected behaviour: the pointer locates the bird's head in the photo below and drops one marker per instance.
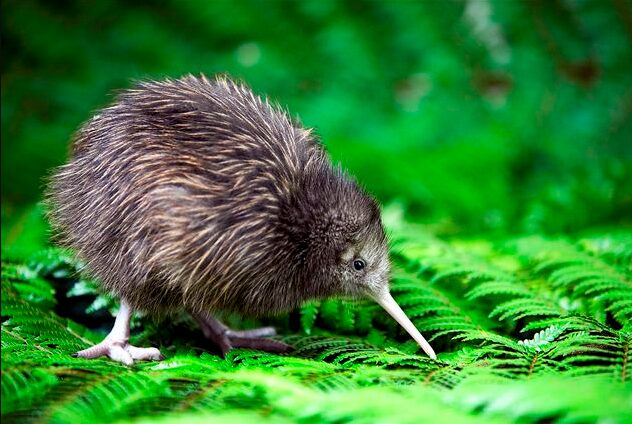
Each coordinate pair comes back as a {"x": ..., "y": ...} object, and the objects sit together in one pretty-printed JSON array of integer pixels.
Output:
[{"x": 342, "y": 244}]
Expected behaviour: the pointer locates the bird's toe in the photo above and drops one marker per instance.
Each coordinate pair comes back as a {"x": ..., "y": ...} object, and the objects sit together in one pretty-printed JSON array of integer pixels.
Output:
[
  {"x": 266, "y": 345},
  {"x": 144, "y": 353}
]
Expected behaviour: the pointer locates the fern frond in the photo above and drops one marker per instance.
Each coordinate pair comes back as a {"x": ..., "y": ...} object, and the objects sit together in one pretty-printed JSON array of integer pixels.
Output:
[
  {"x": 516, "y": 309},
  {"x": 495, "y": 288},
  {"x": 309, "y": 311},
  {"x": 591, "y": 399},
  {"x": 582, "y": 275},
  {"x": 475, "y": 300},
  {"x": 543, "y": 338}
]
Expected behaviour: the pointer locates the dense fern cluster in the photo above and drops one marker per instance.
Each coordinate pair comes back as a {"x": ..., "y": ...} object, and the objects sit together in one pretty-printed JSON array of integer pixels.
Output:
[{"x": 527, "y": 328}]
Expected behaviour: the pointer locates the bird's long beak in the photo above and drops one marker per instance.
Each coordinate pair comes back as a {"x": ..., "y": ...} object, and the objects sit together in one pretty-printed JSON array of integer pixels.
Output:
[{"x": 387, "y": 302}]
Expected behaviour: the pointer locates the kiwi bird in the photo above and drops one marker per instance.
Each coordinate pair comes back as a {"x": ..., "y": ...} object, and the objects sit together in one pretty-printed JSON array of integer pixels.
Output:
[{"x": 196, "y": 195}]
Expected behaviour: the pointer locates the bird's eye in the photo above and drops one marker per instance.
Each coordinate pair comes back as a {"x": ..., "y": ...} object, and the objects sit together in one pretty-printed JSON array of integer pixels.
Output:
[{"x": 358, "y": 264}]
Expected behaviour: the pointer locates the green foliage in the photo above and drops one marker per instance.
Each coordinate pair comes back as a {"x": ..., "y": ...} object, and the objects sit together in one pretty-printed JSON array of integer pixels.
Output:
[
  {"x": 502, "y": 127},
  {"x": 516, "y": 341},
  {"x": 480, "y": 115}
]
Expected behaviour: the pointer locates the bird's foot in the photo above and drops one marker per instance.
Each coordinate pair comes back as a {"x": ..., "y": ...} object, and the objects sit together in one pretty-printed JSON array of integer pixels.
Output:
[
  {"x": 254, "y": 339},
  {"x": 226, "y": 339},
  {"x": 120, "y": 351}
]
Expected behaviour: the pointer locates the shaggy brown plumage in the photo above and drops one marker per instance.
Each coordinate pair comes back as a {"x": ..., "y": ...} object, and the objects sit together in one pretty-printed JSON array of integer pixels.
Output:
[{"x": 194, "y": 194}]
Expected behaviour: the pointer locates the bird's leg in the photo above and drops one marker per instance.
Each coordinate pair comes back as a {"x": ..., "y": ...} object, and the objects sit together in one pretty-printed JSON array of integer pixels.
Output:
[
  {"x": 116, "y": 344},
  {"x": 226, "y": 339}
]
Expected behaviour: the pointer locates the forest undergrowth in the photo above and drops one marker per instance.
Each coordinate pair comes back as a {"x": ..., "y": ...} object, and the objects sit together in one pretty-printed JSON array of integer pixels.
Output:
[{"x": 528, "y": 328}]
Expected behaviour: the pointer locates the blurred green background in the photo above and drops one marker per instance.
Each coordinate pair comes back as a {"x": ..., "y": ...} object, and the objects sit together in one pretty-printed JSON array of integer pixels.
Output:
[{"x": 479, "y": 116}]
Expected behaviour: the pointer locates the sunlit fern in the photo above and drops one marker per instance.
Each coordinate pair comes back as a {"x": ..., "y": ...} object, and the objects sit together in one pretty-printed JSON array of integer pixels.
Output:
[{"x": 521, "y": 326}]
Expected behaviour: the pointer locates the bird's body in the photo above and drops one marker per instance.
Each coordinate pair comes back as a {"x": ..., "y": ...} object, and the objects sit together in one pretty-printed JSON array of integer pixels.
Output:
[{"x": 195, "y": 194}]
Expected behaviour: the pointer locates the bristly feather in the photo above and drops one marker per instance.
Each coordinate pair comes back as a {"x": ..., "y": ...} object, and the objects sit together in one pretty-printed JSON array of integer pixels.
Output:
[{"x": 196, "y": 194}]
